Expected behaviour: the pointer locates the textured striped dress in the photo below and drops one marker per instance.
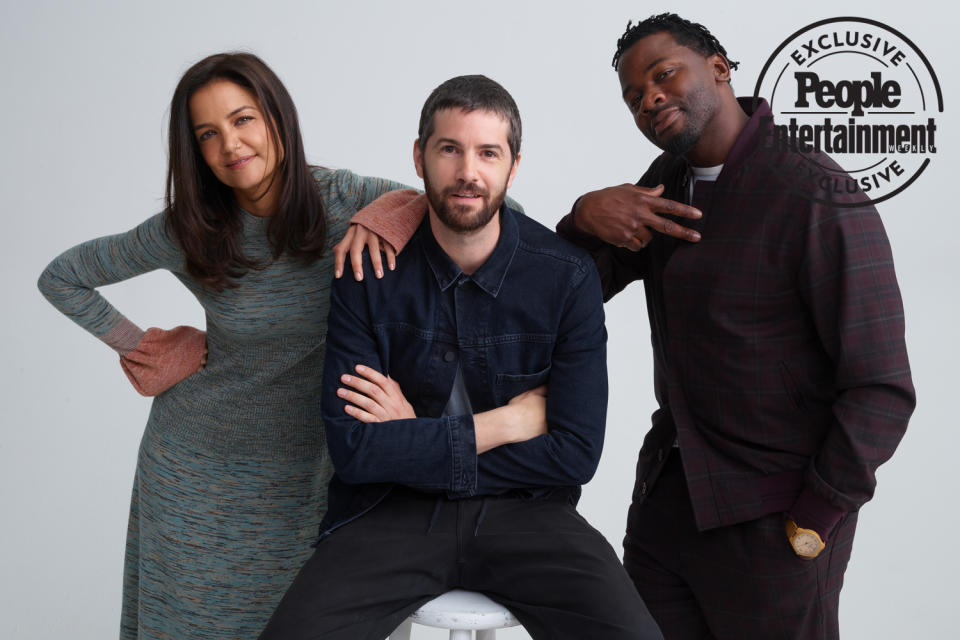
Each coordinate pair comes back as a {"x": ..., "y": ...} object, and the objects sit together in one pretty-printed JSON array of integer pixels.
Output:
[{"x": 232, "y": 471}]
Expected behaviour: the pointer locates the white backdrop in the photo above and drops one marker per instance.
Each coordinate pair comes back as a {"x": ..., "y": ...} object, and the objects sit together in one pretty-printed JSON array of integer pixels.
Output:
[{"x": 85, "y": 94}]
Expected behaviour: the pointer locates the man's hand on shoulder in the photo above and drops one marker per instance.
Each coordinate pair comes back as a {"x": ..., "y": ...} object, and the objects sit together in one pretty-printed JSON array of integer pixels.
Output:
[{"x": 627, "y": 215}]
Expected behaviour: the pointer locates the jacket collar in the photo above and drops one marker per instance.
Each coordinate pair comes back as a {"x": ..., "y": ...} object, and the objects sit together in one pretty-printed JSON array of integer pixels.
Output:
[
  {"x": 750, "y": 137},
  {"x": 491, "y": 274},
  {"x": 752, "y": 134}
]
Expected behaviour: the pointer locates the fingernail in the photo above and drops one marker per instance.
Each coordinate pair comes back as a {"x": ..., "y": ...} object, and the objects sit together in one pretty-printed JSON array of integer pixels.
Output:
[
  {"x": 358, "y": 275},
  {"x": 341, "y": 392},
  {"x": 345, "y": 378},
  {"x": 337, "y": 273},
  {"x": 361, "y": 368},
  {"x": 379, "y": 273},
  {"x": 393, "y": 265}
]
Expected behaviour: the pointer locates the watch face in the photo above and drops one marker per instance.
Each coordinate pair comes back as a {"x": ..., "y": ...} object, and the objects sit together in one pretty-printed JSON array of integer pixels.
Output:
[{"x": 806, "y": 544}]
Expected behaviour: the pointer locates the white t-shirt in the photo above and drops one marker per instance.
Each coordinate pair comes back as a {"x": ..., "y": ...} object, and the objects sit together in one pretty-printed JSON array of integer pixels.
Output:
[{"x": 702, "y": 173}]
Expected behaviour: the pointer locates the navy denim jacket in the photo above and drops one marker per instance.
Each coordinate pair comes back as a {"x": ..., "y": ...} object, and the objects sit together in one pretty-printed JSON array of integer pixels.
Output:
[{"x": 532, "y": 314}]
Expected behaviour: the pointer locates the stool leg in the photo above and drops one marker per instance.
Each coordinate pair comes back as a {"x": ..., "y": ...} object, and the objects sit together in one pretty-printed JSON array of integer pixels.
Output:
[
  {"x": 403, "y": 631},
  {"x": 461, "y": 634},
  {"x": 487, "y": 634}
]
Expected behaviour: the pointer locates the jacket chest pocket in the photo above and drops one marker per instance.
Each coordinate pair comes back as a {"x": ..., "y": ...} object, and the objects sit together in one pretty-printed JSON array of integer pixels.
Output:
[{"x": 509, "y": 385}]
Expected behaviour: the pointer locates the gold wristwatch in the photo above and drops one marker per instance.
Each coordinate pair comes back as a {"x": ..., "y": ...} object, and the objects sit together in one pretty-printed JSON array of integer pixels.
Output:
[{"x": 806, "y": 543}]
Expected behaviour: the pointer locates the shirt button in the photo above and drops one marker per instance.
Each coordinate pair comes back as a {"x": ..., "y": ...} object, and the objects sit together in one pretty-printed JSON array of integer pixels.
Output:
[{"x": 449, "y": 356}]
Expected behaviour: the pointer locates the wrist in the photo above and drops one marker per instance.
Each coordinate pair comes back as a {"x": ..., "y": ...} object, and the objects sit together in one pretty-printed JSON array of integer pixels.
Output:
[
  {"x": 811, "y": 511},
  {"x": 123, "y": 337},
  {"x": 394, "y": 216},
  {"x": 491, "y": 429},
  {"x": 576, "y": 217}
]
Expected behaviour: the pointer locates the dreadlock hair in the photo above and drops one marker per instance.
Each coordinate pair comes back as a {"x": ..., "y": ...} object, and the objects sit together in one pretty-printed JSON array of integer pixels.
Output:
[{"x": 690, "y": 34}]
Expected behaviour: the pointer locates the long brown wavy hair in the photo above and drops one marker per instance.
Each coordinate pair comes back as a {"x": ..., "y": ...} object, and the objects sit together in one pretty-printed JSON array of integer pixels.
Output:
[{"x": 203, "y": 213}]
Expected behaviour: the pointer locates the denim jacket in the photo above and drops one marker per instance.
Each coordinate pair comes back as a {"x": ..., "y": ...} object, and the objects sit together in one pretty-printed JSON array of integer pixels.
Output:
[{"x": 531, "y": 314}]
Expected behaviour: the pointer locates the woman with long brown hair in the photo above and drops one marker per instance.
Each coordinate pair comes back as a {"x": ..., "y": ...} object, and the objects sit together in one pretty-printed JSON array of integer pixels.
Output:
[{"x": 232, "y": 471}]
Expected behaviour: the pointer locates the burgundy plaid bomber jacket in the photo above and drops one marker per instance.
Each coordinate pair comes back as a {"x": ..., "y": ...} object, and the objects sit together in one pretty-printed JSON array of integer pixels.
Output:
[{"x": 780, "y": 366}]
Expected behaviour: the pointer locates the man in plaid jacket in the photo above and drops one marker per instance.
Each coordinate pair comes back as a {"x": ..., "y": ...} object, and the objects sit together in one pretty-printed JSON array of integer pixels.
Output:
[{"x": 780, "y": 366}]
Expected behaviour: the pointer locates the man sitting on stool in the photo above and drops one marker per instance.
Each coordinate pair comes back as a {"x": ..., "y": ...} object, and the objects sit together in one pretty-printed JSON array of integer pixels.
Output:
[{"x": 466, "y": 485}]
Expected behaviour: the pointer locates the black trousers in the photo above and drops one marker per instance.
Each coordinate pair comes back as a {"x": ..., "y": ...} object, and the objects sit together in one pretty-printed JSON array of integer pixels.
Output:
[
  {"x": 730, "y": 583},
  {"x": 539, "y": 558}
]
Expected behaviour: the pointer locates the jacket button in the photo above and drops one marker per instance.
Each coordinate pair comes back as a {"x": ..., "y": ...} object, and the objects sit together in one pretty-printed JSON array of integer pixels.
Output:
[
  {"x": 449, "y": 356},
  {"x": 643, "y": 488}
]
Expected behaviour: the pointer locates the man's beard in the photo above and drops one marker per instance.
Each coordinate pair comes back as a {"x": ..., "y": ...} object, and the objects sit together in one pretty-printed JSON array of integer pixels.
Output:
[
  {"x": 458, "y": 218},
  {"x": 698, "y": 109}
]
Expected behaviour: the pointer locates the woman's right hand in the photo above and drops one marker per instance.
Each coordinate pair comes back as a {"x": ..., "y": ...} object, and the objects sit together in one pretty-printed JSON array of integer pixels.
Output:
[{"x": 163, "y": 358}]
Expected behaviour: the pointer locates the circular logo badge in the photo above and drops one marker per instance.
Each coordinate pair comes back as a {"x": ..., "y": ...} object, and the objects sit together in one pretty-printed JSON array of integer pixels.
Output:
[{"x": 863, "y": 94}]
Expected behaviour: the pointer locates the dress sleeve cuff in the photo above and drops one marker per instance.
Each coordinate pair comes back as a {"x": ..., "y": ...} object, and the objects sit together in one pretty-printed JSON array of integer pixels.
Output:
[
  {"x": 123, "y": 337},
  {"x": 164, "y": 358},
  {"x": 394, "y": 216},
  {"x": 463, "y": 447},
  {"x": 810, "y": 511}
]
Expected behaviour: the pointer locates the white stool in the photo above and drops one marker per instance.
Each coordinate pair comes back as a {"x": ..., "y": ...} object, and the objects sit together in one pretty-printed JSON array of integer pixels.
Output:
[{"x": 461, "y": 612}]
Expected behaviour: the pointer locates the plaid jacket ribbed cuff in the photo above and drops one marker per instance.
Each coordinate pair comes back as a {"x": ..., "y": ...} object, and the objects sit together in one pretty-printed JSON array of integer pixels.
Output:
[
  {"x": 567, "y": 228},
  {"x": 810, "y": 511}
]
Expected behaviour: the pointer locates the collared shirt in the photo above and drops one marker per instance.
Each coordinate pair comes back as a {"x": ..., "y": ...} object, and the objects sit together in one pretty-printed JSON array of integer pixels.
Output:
[
  {"x": 532, "y": 314},
  {"x": 779, "y": 356}
]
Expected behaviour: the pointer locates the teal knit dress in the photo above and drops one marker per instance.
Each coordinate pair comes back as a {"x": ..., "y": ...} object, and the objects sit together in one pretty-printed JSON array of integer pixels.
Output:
[{"x": 233, "y": 468}]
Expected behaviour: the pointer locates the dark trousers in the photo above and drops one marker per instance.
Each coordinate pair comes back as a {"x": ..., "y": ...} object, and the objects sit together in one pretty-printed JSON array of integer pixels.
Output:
[
  {"x": 736, "y": 582},
  {"x": 539, "y": 558}
]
